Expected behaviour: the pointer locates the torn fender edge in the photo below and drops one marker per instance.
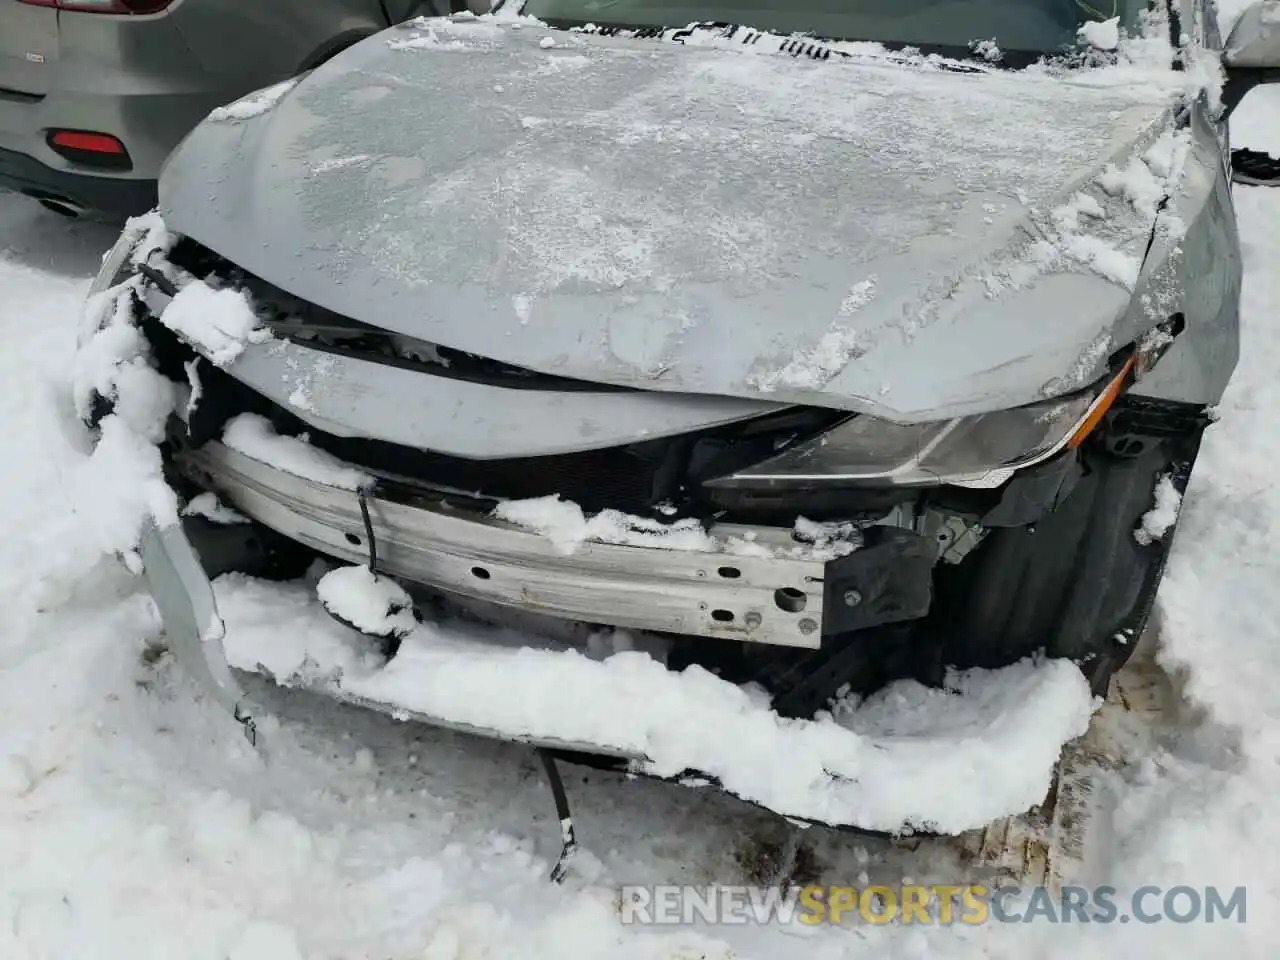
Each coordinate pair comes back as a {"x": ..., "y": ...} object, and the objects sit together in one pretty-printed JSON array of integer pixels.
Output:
[{"x": 184, "y": 596}]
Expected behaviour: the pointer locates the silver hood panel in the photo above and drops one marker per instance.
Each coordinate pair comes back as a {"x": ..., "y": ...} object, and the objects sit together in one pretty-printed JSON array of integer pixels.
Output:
[{"x": 860, "y": 235}]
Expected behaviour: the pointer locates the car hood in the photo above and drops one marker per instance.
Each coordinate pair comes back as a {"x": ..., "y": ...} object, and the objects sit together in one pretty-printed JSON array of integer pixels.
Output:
[{"x": 880, "y": 235}]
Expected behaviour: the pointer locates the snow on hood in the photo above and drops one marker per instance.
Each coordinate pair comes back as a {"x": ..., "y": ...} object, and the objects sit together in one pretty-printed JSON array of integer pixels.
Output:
[
  {"x": 861, "y": 234},
  {"x": 908, "y": 757}
]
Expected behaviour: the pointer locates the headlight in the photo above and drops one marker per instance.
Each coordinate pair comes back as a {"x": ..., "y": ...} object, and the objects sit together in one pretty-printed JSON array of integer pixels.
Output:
[
  {"x": 978, "y": 451},
  {"x": 113, "y": 264}
]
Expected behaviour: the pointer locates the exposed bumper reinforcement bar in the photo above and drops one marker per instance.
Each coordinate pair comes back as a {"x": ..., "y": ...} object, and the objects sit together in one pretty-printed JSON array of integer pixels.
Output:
[{"x": 760, "y": 599}]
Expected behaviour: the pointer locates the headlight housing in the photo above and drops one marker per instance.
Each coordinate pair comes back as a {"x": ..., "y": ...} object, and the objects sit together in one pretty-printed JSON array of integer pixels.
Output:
[{"x": 977, "y": 451}]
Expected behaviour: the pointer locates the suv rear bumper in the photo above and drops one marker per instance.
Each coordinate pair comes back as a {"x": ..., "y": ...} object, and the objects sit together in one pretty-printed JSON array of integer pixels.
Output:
[{"x": 113, "y": 196}]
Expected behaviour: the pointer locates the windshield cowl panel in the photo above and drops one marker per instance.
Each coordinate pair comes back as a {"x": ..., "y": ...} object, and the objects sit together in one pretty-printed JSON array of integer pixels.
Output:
[{"x": 1011, "y": 33}]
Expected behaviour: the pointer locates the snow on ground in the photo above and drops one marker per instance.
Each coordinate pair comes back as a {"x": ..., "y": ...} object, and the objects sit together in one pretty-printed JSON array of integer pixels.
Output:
[
  {"x": 908, "y": 756},
  {"x": 135, "y": 821}
]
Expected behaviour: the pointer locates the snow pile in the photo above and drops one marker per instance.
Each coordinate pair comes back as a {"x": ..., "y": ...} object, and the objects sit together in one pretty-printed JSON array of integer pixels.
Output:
[
  {"x": 123, "y": 485},
  {"x": 1156, "y": 522},
  {"x": 255, "y": 437},
  {"x": 565, "y": 524},
  {"x": 255, "y": 104},
  {"x": 208, "y": 506},
  {"x": 218, "y": 322},
  {"x": 113, "y": 375},
  {"x": 988, "y": 50},
  {"x": 1087, "y": 248},
  {"x": 909, "y": 758},
  {"x": 1086, "y": 231},
  {"x": 122, "y": 482},
  {"x": 114, "y": 363},
  {"x": 375, "y": 605},
  {"x": 1101, "y": 34}
]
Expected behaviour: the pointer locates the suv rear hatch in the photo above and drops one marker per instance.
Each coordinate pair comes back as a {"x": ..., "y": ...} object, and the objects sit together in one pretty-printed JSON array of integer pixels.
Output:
[{"x": 28, "y": 47}]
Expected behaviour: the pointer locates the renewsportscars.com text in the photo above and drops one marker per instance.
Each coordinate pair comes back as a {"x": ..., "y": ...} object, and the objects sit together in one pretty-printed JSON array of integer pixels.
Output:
[{"x": 936, "y": 904}]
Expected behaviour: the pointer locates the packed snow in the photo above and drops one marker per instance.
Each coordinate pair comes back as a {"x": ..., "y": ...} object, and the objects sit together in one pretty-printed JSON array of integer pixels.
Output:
[
  {"x": 208, "y": 505},
  {"x": 220, "y": 323},
  {"x": 1103, "y": 34},
  {"x": 567, "y": 526},
  {"x": 255, "y": 437},
  {"x": 1001, "y": 729},
  {"x": 136, "y": 821},
  {"x": 373, "y": 604}
]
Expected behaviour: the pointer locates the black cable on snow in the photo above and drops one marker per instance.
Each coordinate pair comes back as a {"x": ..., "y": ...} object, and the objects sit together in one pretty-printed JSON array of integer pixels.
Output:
[{"x": 568, "y": 838}]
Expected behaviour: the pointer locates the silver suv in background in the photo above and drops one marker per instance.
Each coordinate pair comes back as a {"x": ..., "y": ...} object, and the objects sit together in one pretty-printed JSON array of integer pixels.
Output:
[{"x": 94, "y": 94}]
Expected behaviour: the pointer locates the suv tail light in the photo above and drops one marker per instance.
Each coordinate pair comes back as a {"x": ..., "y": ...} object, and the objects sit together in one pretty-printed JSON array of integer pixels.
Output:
[
  {"x": 91, "y": 149},
  {"x": 103, "y": 6}
]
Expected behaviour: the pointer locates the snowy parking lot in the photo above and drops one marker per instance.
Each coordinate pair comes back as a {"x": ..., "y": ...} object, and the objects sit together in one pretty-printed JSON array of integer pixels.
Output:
[{"x": 136, "y": 822}]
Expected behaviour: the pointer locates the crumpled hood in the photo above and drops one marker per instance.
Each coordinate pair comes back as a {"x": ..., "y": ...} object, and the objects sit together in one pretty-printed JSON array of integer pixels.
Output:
[{"x": 860, "y": 234}]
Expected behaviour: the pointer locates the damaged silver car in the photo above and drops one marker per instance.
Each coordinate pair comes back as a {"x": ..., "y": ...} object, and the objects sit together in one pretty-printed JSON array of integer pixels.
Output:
[{"x": 835, "y": 342}]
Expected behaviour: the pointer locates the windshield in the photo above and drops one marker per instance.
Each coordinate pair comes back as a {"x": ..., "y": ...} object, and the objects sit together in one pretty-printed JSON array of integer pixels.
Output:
[{"x": 949, "y": 26}]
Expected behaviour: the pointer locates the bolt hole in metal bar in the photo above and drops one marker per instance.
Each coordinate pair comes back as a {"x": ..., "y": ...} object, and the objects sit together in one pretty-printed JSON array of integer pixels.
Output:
[{"x": 790, "y": 600}]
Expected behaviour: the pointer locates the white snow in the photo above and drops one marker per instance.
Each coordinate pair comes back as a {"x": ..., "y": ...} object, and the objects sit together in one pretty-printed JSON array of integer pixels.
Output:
[
  {"x": 136, "y": 822},
  {"x": 812, "y": 368},
  {"x": 1157, "y": 521},
  {"x": 220, "y": 323},
  {"x": 254, "y": 104},
  {"x": 565, "y": 524},
  {"x": 988, "y": 50},
  {"x": 208, "y": 505},
  {"x": 154, "y": 235},
  {"x": 255, "y": 437},
  {"x": 1000, "y": 729},
  {"x": 122, "y": 484},
  {"x": 426, "y": 41},
  {"x": 373, "y": 604},
  {"x": 1103, "y": 34},
  {"x": 1137, "y": 183},
  {"x": 195, "y": 387}
]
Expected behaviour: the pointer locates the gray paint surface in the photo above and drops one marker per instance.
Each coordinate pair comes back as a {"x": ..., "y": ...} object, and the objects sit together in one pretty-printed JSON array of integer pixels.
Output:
[{"x": 850, "y": 234}]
